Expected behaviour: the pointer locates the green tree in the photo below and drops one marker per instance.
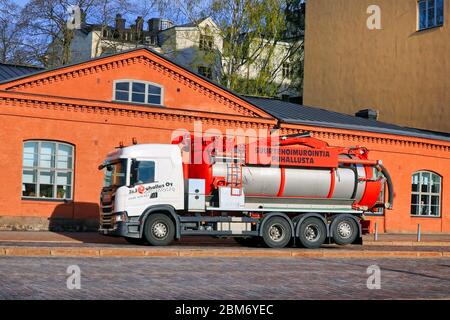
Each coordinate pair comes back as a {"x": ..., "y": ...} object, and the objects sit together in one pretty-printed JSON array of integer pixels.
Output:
[{"x": 259, "y": 56}]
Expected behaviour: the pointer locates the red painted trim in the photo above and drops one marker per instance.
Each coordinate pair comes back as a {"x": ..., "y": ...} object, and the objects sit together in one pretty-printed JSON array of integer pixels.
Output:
[
  {"x": 371, "y": 191},
  {"x": 284, "y": 197},
  {"x": 332, "y": 184},
  {"x": 282, "y": 182}
]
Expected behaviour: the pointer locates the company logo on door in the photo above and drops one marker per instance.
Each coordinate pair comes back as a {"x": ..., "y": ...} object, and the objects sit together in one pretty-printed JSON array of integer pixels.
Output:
[{"x": 154, "y": 189}]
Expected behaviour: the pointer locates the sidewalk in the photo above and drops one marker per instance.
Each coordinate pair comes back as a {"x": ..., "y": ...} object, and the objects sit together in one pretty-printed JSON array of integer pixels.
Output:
[{"x": 88, "y": 244}]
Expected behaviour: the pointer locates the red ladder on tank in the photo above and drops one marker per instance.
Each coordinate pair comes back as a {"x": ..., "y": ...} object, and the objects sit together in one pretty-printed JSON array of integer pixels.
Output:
[{"x": 234, "y": 177}]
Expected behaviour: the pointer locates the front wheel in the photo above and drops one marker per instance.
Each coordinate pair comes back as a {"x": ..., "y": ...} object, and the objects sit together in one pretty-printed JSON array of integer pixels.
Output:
[
  {"x": 159, "y": 230},
  {"x": 276, "y": 232}
]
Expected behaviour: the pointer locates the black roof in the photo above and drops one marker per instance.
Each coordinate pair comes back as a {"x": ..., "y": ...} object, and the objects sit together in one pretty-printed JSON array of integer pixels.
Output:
[
  {"x": 11, "y": 71},
  {"x": 284, "y": 111},
  {"x": 299, "y": 114}
]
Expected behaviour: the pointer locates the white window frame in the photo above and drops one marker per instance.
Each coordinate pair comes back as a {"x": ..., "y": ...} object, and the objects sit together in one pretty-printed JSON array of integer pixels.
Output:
[
  {"x": 53, "y": 168},
  {"x": 130, "y": 92},
  {"x": 436, "y": 25},
  {"x": 420, "y": 193},
  {"x": 206, "y": 42},
  {"x": 287, "y": 71}
]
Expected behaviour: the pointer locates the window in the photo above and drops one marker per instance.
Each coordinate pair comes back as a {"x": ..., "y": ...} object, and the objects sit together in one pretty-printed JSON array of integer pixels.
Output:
[
  {"x": 115, "y": 174},
  {"x": 138, "y": 92},
  {"x": 205, "y": 71},
  {"x": 431, "y": 13},
  {"x": 206, "y": 42},
  {"x": 287, "y": 71},
  {"x": 426, "y": 194},
  {"x": 47, "y": 170},
  {"x": 143, "y": 172}
]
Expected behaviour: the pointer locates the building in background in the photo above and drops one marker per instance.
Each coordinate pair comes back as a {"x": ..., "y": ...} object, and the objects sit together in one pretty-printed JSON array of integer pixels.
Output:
[
  {"x": 401, "y": 70},
  {"x": 198, "y": 46},
  {"x": 94, "y": 40}
]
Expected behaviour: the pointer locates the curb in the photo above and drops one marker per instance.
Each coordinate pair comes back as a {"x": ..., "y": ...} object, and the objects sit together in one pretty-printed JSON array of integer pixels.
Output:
[
  {"x": 408, "y": 243},
  {"x": 216, "y": 253}
]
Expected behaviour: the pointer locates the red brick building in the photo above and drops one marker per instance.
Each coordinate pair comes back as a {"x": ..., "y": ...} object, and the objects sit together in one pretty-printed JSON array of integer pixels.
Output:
[{"x": 58, "y": 125}]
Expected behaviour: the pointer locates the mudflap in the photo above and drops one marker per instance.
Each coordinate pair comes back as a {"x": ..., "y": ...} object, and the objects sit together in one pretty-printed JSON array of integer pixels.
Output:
[{"x": 358, "y": 241}]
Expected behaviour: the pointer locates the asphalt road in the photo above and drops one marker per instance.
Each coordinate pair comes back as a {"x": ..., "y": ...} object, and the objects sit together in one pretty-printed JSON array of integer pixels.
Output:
[{"x": 222, "y": 278}]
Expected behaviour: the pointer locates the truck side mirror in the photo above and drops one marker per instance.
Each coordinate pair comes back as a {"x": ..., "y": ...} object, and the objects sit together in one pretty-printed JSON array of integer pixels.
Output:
[{"x": 134, "y": 172}]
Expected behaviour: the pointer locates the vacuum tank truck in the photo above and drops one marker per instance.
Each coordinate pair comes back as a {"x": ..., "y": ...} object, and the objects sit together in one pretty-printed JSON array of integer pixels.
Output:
[{"x": 297, "y": 190}]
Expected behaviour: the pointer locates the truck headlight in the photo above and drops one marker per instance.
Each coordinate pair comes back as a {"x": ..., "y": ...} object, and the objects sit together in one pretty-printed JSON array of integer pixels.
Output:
[{"x": 121, "y": 217}]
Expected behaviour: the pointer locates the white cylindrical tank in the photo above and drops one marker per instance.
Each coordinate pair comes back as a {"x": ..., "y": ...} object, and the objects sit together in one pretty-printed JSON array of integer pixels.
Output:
[{"x": 299, "y": 182}]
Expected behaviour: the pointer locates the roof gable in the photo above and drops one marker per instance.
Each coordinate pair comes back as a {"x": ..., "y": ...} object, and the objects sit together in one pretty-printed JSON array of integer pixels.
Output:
[{"x": 94, "y": 80}]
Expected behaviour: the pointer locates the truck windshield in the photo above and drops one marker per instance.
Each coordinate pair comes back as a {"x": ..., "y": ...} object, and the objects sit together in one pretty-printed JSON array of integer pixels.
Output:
[{"x": 115, "y": 173}]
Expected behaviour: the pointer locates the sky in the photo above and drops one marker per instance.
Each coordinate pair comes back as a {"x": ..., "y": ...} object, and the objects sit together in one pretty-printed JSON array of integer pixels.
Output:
[{"x": 21, "y": 2}]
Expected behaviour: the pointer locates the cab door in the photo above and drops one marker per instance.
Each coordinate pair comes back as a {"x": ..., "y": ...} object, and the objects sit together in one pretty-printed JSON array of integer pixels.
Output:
[{"x": 151, "y": 183}]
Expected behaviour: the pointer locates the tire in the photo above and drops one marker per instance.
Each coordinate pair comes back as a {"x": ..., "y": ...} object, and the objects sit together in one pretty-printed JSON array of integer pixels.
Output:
[
  {"x": 345, "y": 230},
  {"x": 248, "y": 242},
  {"x": 277, "y": 232},
  {"x": 159, "y": 230},
  {"x": 136, "y": 241},
  {"x": 312, "y": 233}
]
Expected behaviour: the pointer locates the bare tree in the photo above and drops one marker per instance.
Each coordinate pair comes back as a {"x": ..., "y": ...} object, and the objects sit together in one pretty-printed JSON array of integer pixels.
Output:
[
  {"x": 47, "y": 30},
  {"x": 11, "y": 34}
]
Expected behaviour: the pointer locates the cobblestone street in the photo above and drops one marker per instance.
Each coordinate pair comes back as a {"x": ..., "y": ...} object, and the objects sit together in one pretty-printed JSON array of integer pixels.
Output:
[{"x": 223, "y": 278}]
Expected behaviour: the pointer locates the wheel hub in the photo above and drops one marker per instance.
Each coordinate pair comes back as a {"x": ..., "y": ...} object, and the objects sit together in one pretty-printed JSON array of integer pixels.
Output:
[
  {"x": 159, "y": 230},
  {"x": 344, "y": 230},
  {"x": 276, "y": 232},
  {"x": 312, "y": 232}
]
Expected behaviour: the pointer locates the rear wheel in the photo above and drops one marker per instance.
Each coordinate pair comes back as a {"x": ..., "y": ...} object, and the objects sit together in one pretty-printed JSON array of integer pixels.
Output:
[
  {"x": 276, "y": 232},
  {"x": 312, "y": 233},
  {"x": 159, "y": 230},
  {"x": 345, "y": 230}
]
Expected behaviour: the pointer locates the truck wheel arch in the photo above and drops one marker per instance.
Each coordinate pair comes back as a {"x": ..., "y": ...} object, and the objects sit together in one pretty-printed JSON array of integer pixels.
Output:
[
  {"x": 304, "y": 216},
  {"x": 275, "y": 214},
  {"x": 164, "y": 209}
]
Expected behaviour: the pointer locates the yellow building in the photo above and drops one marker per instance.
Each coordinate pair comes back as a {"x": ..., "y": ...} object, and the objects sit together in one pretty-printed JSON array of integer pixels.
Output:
[{"x": 388, "y": 55}]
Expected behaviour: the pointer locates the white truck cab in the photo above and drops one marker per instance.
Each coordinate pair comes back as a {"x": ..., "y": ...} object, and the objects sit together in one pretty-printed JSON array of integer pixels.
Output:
[{"x": 136, "y": 178}]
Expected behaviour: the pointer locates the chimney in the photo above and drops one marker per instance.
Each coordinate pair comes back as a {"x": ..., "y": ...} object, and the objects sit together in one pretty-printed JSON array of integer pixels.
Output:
[
  {"x": 120, "y": 22},
  {"x": 285, "y": 97},
  {"x": 153, "y": 25},
  {"x": 367, "y": 114},
  {"x": 139, "y": 24}
]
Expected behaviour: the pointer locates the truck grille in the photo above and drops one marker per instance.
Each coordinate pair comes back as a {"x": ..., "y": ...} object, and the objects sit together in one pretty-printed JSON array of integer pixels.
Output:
[
  {"x": 107, "y": 209},
  {"x": 107, "y": 206},
  {"x": 106, "y": 222}
]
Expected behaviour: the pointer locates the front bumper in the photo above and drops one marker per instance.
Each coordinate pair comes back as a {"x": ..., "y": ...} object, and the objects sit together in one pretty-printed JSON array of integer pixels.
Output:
[{"x": 112, "y": 225}]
